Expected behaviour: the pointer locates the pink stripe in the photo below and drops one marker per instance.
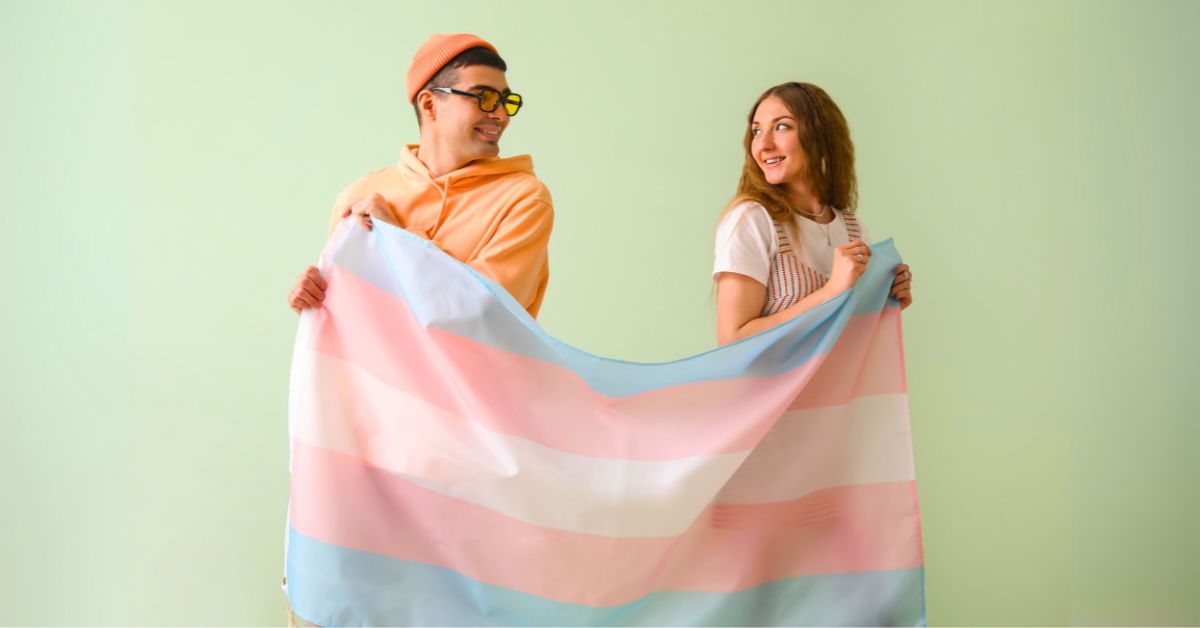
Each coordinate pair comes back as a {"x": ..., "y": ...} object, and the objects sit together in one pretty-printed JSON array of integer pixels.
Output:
[
  {"x": 339, "y": 500},
  {"x": 552, "y": 405},
  {"x": 868, "y": 359}
]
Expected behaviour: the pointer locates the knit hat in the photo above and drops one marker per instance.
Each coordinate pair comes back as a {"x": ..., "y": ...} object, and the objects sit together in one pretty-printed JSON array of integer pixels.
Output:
[{"x": 435, "y": 53}]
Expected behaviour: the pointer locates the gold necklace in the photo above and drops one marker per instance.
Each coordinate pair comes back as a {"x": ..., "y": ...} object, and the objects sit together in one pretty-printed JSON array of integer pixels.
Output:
[
  {"x": 825, "y": 227},
  {"x": 805, "y": 212}
]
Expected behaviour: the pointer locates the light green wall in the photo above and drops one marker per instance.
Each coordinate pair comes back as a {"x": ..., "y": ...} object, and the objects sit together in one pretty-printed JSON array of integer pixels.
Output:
[{"x": 168, "y": 168}]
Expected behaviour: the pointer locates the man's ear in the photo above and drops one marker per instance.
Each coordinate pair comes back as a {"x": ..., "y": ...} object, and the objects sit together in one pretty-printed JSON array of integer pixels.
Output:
[{"x": 427, "y": 105}]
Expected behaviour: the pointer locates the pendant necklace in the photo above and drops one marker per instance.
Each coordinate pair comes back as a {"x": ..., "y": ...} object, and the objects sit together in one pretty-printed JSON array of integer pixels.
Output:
[{"x": 824, "y": 227}]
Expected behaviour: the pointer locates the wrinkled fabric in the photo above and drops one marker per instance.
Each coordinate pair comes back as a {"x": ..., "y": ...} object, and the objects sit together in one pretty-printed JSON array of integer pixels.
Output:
[{"x": 453, "y": 464}]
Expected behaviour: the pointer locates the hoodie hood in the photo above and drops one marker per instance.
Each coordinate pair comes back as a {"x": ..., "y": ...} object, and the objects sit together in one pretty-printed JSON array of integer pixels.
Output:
[
  {"x": 470, "y": 175},
  {"x": 489, "y": 166},
  {"x": 492, "y": 214}
]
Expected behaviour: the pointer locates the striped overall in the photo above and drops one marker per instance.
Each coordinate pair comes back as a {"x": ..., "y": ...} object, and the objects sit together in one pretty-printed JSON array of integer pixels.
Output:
[{"x": 791, "y": 279}]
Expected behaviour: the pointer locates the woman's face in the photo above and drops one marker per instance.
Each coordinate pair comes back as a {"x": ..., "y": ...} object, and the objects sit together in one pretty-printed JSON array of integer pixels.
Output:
[{"x": 776, "y": 143}]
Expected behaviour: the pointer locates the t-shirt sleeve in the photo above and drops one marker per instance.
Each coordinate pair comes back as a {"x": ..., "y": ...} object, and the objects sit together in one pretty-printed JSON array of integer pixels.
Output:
[{"x": 745, "y": 243}]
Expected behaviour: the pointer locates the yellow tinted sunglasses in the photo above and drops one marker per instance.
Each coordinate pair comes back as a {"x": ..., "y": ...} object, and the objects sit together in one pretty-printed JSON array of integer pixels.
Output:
[{"x": 488, "y": 99}]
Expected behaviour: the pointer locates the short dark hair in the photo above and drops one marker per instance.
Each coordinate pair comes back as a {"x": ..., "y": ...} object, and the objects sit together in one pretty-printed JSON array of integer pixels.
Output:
[{"x": 448, "y": 75}]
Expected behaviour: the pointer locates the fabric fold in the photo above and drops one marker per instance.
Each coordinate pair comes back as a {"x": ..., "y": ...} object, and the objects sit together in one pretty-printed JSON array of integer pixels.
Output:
[{"x": 454, "y": 464}]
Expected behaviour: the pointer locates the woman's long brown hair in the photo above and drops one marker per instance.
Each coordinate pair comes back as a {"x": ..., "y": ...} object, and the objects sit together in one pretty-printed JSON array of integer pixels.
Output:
[{"x": 828, "y": 153}]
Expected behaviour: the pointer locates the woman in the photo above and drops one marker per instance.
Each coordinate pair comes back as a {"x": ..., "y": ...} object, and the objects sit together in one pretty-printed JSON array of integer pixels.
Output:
[{"x": 790, "y": 241}]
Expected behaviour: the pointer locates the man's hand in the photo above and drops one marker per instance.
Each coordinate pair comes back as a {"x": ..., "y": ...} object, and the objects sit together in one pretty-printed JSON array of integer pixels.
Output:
[
  {"x": 902, "y": 286},
  {"x": 370, "y": 208},
  {"x": 309, "y": 290}
]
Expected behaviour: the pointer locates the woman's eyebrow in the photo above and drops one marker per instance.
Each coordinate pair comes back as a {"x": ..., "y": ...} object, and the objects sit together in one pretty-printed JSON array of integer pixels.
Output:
[{"x": 755, "y": 123}]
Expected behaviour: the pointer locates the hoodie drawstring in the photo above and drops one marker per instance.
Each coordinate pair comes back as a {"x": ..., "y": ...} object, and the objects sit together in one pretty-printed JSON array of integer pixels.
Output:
[{"x": 437, "y": 224}]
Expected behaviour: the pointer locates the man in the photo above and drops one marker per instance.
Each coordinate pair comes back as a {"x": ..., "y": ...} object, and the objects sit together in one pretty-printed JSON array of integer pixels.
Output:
[
  {"x": 492, "y": 214},
  {"x": 451, "y": 189}
]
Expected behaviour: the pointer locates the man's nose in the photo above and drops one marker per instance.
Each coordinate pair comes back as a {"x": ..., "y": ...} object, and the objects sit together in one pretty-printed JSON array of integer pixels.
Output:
[{"x": 499, "y": 113}]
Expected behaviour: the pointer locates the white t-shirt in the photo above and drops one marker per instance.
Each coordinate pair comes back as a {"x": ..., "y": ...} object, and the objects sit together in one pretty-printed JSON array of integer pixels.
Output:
[{"x": 746, "y": 242}]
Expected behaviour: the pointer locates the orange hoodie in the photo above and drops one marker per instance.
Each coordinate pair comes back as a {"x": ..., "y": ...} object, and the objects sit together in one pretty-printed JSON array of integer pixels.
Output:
[{"x": 493, "y": 215}]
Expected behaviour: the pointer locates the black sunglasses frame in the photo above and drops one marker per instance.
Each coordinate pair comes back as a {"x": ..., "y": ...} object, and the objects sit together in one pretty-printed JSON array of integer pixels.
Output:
[{"x": 501, "y": 99}]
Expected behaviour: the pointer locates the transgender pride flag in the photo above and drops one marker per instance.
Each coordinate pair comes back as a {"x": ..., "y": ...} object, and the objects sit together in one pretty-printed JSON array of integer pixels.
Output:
[{"x": 452, "y": 464}]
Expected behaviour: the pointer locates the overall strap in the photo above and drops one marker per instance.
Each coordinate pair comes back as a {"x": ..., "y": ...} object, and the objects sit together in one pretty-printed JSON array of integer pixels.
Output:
[
  {"x": 853, "y": 229},
  {"x": 781, "y": 238}
]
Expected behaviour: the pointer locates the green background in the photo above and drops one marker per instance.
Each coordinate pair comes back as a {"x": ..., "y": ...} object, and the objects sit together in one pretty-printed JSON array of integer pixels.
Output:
[{"x": 168, "y": 170}]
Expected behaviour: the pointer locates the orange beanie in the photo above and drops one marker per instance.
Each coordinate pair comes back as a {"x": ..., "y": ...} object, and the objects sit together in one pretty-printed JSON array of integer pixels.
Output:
[{"x": 435, "y": 53}]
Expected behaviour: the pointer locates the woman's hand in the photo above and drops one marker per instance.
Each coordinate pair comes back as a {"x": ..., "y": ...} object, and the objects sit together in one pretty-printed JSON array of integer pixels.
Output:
[
  {"x": 849, "y": 263},
  {"x": 370, "y": 208},
  {"x": 902, "y": 286}
]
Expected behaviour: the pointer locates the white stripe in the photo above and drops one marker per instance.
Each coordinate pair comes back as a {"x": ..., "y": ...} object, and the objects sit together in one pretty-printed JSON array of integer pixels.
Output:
[
  {"x": 339, "y": 406},
  {"x": 864, "y": 441}
]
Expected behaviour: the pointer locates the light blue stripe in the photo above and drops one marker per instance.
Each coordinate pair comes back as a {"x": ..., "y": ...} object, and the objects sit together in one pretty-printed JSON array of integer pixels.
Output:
[
  {"x": 335, "y": 586},
  {"x": 444, "y": 293}
]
